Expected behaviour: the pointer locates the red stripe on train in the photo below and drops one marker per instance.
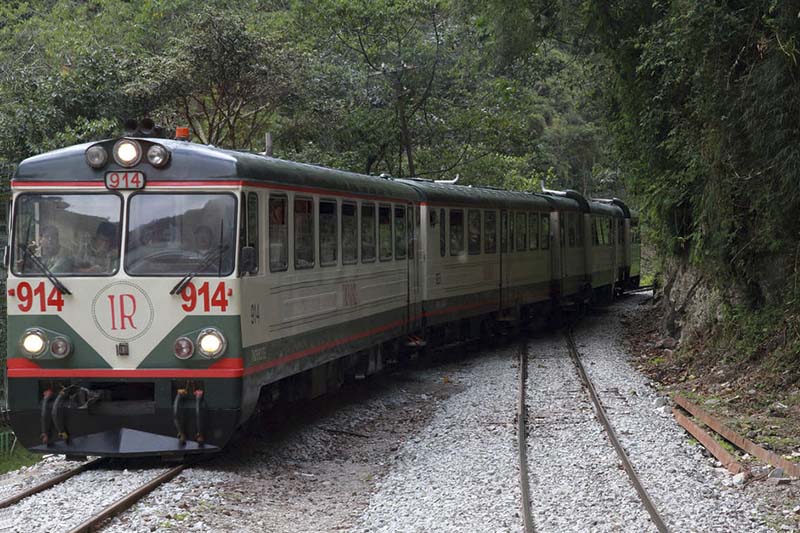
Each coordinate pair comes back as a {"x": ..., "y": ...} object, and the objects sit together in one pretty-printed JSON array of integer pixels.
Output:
[{"x": 19, "y": 367}]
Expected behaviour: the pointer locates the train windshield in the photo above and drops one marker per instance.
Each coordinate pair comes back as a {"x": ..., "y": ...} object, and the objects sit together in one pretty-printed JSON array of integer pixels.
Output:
[
  {"x": 179, "y": 234},
  {"x": 67, "y": 234}
]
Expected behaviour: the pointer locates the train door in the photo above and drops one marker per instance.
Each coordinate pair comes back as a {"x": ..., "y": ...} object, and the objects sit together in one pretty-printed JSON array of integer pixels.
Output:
[
  {"x": 556, "y": 252},
  {"x": 415, "y": 256},
  {"x": 505, "y": 261}
]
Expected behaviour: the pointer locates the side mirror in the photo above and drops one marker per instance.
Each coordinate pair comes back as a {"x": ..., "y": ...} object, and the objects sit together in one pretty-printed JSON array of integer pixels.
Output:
[
  {"x": 247, "y": 260},
  {"x": 6, "y": 257}
]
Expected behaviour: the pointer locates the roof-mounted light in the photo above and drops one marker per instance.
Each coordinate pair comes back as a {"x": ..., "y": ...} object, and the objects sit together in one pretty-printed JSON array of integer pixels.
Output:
[
  {"x": 127, "y": 153},
  {"x": 157, "y": 155},
  {"x": 96, "y": 156}
]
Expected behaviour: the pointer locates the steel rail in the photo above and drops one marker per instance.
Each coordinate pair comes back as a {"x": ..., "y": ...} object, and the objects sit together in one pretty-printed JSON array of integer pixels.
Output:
[
  {"x": 522, "y": 441},
  {"x": 128, "y": 500},
  {"x": 612, "y": 435},
  {"x": 639, "y": 289},
  {"x": 55, "y": 480}
]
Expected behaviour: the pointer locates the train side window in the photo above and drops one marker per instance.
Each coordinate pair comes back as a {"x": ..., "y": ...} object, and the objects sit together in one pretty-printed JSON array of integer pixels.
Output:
[
  {"x": 385, "y": 232},
  {"x": 595, "y": 234},
  {"x": 504, "y": 231},
  {"x": 533, "y": 231},
  {"x": 442, "y": 234},
  {"x": 278, "y": 235},
  {"x": 400, "y": 236},
  {"x": 490, "y": 232},
  {"x": 635, "y": 233},
  {"x": 474, "y": 227},
  {"x": 545, "y": 232},
  {"x": 620, "y": 231},
  {"x": 349, "y": 234},
  {"x": 328, "y": 233},
  {"x": 367, "y": 233},
  {"x": 609, "y": 232},
  {"x": 521, "y": 232},
  {"x": 303, "y": 233},
  {"x": 579, "y": 229},
  {"x": 456, "y": 232}
]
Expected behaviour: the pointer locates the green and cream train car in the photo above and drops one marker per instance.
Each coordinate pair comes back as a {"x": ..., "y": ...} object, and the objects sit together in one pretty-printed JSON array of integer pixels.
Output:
[{"x": 158, "y": 290}]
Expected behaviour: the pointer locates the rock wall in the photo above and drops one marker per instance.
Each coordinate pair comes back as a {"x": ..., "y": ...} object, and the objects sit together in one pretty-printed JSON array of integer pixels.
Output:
[{"x": 692, "y": 303}]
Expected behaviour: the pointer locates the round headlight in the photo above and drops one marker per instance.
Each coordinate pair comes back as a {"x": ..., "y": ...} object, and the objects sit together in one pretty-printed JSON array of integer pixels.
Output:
[
  {"x": 157, "y": 155},
  {"x": 183, "y": 348},
  {"x": 60, "y": 347},
  {"x": 96, "y": 156},
  {"x": 33, "y": 342},
  {"x": 211, "y": 343},
  {"x": 127, "y": 153}
]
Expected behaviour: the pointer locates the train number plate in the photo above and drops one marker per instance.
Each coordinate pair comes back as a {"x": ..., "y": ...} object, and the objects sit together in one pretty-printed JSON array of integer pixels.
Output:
[{"x": 125, "y": 179}]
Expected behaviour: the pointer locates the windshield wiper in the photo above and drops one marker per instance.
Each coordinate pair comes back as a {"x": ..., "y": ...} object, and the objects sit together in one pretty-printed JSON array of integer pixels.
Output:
[
  {"x": 210, "y": 258},
  {"x": 46, "y": 271}
]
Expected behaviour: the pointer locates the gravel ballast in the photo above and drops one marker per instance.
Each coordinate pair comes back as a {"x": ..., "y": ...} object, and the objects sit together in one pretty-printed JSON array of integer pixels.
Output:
[
  {"x": 577, "y": 482},
  {"x": 434, "y": 450},
  {"x": 461, "y": 472},
  {"x": 689, "y": 491}
]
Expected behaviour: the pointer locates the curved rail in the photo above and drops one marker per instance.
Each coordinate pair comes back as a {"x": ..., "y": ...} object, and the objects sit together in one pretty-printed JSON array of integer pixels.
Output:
[
  {"x": 522, "y": 442},
  {"x": 128, "y": 500},
  {"x": 55, "y": 480},
  {"x": 612, "y": 436}
]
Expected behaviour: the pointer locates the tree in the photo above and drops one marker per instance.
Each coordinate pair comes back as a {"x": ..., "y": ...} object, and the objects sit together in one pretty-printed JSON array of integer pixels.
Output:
[{"x": 221, "y": 78}]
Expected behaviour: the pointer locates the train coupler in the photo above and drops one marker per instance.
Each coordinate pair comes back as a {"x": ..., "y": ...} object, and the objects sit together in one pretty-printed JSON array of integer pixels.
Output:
[
  {"x": 59, "y": 421},
  {"x": 198, "y": 405},
  {"x": 176, "y": 415},
  {"x": 45, "y": 419}
]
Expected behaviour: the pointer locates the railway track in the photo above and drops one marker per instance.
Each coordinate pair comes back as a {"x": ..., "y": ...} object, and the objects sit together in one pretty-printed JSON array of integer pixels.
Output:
[
  {"x": 98, "y": 518},
  {"x": 522, "y": 442},
  {"x": 602, "y": 416}
]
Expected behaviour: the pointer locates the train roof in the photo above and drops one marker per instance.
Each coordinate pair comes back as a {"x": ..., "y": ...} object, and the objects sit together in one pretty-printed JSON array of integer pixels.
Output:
[
  {"x": 437, "y": 193},
  {"x": 202, "y": 163}
]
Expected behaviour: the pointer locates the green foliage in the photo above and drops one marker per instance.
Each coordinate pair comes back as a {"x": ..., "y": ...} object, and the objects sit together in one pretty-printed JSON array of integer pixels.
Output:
[
  {"x": 704, "y": 100},
  {"x": 432, "y": 88}
]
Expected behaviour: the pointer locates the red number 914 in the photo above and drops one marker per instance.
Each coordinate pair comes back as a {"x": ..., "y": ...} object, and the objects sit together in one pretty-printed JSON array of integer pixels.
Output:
[
  {"x": 193, "y": 295},
  {"x": 28, "y": 296}
]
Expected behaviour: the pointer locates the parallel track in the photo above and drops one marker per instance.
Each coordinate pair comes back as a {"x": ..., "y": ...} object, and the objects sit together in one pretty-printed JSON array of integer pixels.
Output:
[
  {"x": 658, "y": 521},
  {"x": 522, "y": 442},
  {"x": 114, "y": 509},
  {"x": 55, "y": 480},
  {"x": 127, "y": 501}
]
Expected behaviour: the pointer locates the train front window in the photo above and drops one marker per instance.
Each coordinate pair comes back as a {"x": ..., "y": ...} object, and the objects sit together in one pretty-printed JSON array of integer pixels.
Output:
[
  {"x": 176, "y": 234},
  {"x": 67, "y": 234}
]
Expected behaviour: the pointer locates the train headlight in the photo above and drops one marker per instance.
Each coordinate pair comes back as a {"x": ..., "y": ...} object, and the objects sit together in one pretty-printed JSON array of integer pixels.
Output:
[
  {"x": 33, "y": 342},
  {"x": 127, "y": 153},
  {"x": 60, "y": 347},
  {"x": 96, "y": 156},
  {"x": 157, "y": 155},
  {"x": 183, "y": 348},
  {"x": 211, "y": 343}
]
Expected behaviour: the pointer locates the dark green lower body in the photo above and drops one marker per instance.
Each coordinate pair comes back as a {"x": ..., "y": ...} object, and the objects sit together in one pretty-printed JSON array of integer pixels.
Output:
[{"x": 124, "y": 417}]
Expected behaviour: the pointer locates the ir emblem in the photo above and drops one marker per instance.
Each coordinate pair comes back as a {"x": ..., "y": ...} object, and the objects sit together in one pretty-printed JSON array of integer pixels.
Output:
[{"x": 122, "y": 311}]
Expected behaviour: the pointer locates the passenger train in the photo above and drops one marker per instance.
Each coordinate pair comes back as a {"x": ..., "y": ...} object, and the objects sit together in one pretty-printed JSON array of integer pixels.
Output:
[{"x": 158, "y": 290}]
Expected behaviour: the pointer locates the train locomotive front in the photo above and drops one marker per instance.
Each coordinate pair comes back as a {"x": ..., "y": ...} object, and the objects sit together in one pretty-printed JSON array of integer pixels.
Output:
[{"x": 124, "y": 333}]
